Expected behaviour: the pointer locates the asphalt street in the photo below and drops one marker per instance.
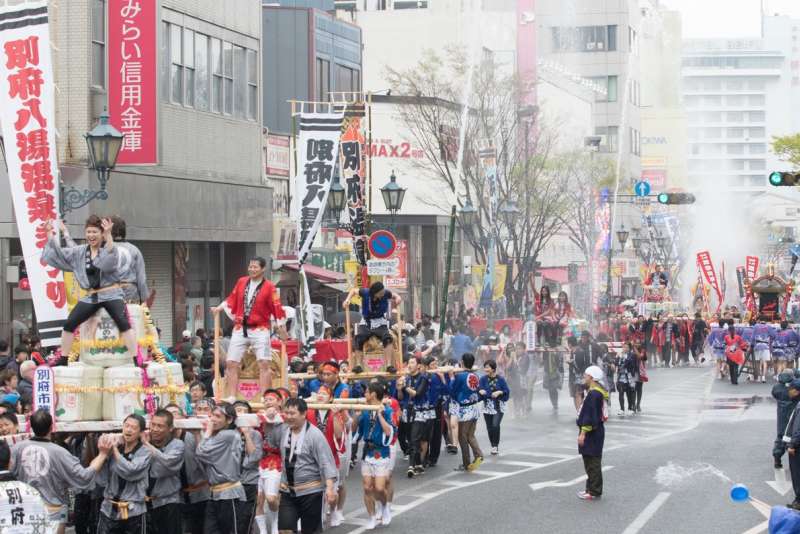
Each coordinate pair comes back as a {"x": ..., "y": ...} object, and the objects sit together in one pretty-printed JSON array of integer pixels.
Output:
[{"x": 669, "y": 469}]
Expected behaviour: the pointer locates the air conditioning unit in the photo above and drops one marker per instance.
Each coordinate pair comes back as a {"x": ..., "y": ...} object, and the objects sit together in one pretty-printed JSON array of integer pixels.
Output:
[
  {"x": 600, "y": 45},
  {"x": 590, "y": 46}
]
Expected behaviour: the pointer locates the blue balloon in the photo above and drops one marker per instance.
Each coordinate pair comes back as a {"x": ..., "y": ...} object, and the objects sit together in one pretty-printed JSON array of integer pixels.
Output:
[{"x": 740, "y": 493}]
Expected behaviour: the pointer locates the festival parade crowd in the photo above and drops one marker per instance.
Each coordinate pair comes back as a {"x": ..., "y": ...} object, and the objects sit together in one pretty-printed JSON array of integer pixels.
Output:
[{"x": 287, "y": 471}]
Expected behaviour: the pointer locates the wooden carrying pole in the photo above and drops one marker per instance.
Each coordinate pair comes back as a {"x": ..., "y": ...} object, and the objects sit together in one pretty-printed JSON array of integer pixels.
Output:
[
  {"x": 349, "y": 335},
  {"x": 217, "y": 377},
  {"x": 365, "y": 407},
  {"x": 284, "y": 366}
]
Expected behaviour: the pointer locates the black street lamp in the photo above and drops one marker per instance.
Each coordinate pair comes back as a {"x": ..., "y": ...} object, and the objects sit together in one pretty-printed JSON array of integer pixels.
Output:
[
  {"x": 509, "y": 212},
  {"x": 393, "y": 195},
  {"x": 104, "y": 143},
  {"x": 469, "y": 214},
  {"x": 337, "y": 199},
  {"x": 622, "y": 237}
]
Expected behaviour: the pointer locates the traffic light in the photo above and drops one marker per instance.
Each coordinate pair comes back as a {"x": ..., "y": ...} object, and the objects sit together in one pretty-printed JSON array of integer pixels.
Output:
[
  {"x": 784, "y": 179},
  {"x": 675, "y": 198}
]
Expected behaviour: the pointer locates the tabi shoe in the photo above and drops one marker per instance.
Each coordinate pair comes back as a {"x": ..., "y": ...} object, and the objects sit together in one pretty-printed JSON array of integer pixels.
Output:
[
  {"x": 371, "y": 523},
  {"x": 476, "y": 463},
  {"x": 410, "y": 472},
  {"x": 460, "y": 468},
  {"x": 452, "y": 449},
  {"x": 419, "y": 470},
  {"x": 386, "y": 516},
  {"x": 337, "y": 518},
  {"x": 495, "y": 452},
  {"x": 586, "y": 496},
  {"x": 378, "y": 511}
]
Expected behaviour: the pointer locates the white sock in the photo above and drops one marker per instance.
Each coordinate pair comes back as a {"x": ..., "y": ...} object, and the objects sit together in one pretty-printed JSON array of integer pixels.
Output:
[
  {"x": 271, "y": 520},
  {"x": 261, "y": 523}
]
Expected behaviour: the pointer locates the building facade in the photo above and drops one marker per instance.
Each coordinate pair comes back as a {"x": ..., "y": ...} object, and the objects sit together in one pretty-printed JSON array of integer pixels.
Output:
[
  {"x": 204, "y": 207},
  {"x": 729, "y": 89}
]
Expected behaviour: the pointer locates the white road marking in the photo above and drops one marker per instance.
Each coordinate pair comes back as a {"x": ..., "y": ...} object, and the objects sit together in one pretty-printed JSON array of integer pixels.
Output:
[
  {"x": 758, "y": 529},
  {"x": 544, "y": 454},
  {"x": 516, "y": 463},
  {"x": 780, "y": 484},
  {"x": 649, "y": 511}
]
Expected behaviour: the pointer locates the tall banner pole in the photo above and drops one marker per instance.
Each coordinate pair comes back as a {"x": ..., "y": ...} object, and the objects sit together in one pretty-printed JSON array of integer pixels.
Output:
[
  {"x": 448, "y": 264},
  {"x": 217, "y": 339}
]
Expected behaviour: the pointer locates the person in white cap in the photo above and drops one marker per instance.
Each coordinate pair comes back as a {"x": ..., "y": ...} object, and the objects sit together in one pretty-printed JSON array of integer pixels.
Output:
[{"x": 591, "y": 418}]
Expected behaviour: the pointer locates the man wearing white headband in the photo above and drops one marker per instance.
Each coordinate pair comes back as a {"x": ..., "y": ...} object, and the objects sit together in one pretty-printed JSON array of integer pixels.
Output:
[{"x": 591, "y": 418}]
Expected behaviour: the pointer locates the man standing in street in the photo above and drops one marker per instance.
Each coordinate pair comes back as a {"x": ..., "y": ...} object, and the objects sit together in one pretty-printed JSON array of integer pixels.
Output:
[
  {"x": 792, "y": 440},
  {"x": 252, "y": 305},
  {"x": 309, "y": 469},
  {"x": 414, "y": 386},
  {"x": 51, "y": 469},
  {"x": 164, "y": 488},
  {"x": 591, "y": 422}
]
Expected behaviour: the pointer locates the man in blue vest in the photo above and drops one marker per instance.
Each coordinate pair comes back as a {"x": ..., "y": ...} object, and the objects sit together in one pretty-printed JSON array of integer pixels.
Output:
[{"x": 374, "y": 316}]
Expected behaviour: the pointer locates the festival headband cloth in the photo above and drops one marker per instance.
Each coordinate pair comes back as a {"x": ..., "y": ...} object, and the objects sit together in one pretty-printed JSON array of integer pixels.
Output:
[{"x": 329, "y": 367}]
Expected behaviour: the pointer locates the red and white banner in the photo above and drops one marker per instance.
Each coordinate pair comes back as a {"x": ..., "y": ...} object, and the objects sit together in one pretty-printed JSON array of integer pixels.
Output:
[
  {"x": 132, "y": 88},
  {"x": 27, "y": 114},
  {"x": 707, "y": 268},
  {"x": 751, "y": 267}
]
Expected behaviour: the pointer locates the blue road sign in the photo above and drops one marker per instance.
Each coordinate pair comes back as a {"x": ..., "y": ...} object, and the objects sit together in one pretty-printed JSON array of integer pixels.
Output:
[
  {"x": 642, "y": 188},
  {"x": 795, "y": 250}
]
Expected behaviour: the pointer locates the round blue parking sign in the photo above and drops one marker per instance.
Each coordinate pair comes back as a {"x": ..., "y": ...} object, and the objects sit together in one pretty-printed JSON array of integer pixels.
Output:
[{"x": 382, "y": 244}]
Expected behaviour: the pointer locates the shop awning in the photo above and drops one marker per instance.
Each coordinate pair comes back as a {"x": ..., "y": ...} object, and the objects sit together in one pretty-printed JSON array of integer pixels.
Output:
[
  {"x": 560, "y": 275},
  {"x": 317, "y": 273}
]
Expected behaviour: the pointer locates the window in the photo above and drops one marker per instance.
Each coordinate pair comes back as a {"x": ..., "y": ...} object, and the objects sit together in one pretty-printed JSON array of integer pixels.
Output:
[
  {"x": 216, "y": 70},
  {"x": 176, "y": 72},
  {"x": 189, "y": 65},
  {"x": 735, "y": 116},
  {"x": 98, "y": 43},
  {"x": 610, "y": 85},
  {"x": 755, "y": 100},
  {"x": 202, "y": 88},
  {"x": 735, "y": 133},
  {"x": 164, "y": 63},
  {"x": 347, "y": 79},
  {"x": 252, "y": 85},
  {"x": 227, "y": 77},
  {"x": 734, "y": 85},
  {"x": 633, "y": 92},
  {"x": 757, "y": 148},
  {"x": 757, "y": 164},
  {"x": 634, "y": 141},
  {"x": 633, "y": 41},
  {"x": 611, "y": 134},
  {"x": 735, "y": 148},
  {"x": 757, "y": 132},
  {"x": 239, "y": 82},
  {"x": 323, "y": 79},
  {"x": 734, "y": 100},
  {"x": 757, "y": 116},
  {"x": 585, "y": 39}
]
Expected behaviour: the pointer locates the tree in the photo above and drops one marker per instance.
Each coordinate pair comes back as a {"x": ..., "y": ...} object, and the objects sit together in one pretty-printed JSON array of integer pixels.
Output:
[
  {"x": 787, "y": 148},
  {"x": 588, "y": 172},
  {"x": 524, "y": 149}
]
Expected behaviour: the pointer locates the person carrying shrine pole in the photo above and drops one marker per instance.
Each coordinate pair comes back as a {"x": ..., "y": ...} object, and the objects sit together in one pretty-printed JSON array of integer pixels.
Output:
[{"x": 252, "y": 304}]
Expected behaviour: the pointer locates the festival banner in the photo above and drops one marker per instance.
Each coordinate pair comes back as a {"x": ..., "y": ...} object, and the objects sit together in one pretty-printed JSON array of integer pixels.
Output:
[
  {"x": 751, "y": 267},
  {"x": 488, "y": 158},
  {"x": 317, "y": 151},
  {"x": 132, "y": 87},
  {"x": 723, "y": 284},
  {"x": 27, "y": 115},
  {"x": 707, "y": 268},
  {"x": 352, "y": 167}
]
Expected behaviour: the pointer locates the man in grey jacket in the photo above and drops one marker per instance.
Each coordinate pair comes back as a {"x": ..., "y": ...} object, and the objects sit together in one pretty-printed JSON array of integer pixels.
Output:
[
  {"x": 51, "y": 469},
  {"x": 308, "y": 469},
  {"x": 164, "y": 488},
  {"x": 123, "y": 509}
]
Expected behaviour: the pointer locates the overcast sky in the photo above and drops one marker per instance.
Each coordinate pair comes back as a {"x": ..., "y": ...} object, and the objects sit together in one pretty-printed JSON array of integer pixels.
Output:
[{"x": 728, "y": 18}]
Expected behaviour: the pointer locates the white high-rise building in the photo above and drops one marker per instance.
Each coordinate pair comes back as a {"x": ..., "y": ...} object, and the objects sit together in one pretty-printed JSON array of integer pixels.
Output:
[{"x": 729, "y": 90}]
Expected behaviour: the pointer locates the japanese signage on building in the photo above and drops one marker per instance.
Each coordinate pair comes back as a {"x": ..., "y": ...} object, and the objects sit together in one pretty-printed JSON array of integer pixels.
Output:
[
  {"x": 317, "y": 150},
  {"x": 27, "y": 114},
  {"x": 278, "y": 155},
  {"x": 352, "y": 169},
  {"x": 132, "y": 91}
]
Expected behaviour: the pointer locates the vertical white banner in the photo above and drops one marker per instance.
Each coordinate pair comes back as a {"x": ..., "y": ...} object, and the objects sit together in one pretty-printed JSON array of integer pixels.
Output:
[
  {"x": 317, "y": 153},
  {"x": 27, "y": 115}
]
